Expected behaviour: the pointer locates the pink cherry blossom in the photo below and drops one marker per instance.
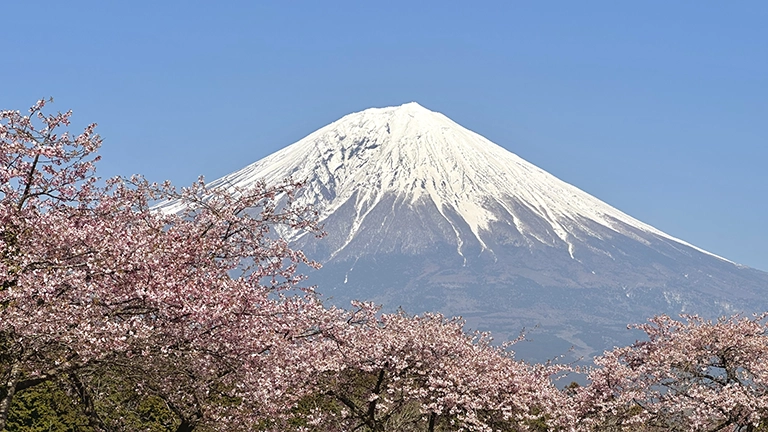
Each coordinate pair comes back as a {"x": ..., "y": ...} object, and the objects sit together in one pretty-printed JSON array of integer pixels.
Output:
[
  {"x": 192, "y": 306},
  {"x": 693, "y": 375}
]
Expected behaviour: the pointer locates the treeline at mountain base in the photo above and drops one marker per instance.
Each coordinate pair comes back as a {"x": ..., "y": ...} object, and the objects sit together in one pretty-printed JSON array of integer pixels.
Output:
[{"x": 118, "y": 317}]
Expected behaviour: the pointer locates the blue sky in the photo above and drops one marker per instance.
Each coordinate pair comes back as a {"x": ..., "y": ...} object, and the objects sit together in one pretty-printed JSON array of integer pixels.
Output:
[{"x": 658, "y": 108}]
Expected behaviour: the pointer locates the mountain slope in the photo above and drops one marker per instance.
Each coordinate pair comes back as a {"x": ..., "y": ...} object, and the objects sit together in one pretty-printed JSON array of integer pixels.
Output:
[{"x": 425, "y": 214}]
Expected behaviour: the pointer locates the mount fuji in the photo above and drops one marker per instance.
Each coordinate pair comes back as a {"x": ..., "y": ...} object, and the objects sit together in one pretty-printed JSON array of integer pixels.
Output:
[{"x": 424, "y": 214}]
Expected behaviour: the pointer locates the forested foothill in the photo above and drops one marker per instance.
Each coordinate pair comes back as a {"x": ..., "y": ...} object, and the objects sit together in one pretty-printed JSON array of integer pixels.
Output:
[{"x": 118, "y": 317}]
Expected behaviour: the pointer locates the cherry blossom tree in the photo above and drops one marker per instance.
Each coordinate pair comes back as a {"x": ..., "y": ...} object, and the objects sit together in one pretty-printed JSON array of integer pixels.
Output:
[
  {"x": 691, "y": 375},
  {"x": 400, "y": 372},
  {"x": 194, "y": 306}
]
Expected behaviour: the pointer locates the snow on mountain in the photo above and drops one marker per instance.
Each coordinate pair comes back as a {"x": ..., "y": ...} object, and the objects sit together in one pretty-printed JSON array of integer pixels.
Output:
[
  {"x": 425, "y": 214},
  {"x": 413, "y": 152}
]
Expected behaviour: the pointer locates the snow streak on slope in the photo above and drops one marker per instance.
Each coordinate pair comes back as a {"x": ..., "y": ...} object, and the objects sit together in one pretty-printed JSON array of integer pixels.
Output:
[{"x": 413, "y": 154}]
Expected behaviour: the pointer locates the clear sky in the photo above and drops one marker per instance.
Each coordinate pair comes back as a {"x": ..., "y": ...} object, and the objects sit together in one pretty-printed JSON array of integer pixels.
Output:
[{"x": 658, "y": 108}]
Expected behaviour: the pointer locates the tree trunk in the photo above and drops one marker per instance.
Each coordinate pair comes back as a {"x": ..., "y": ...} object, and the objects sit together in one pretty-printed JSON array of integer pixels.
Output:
[
  {"x": 94, "y": 421},
  {"x": 10, "y": 391},
  {"x": 371, "y": 415},
  {"x": 432, "y": 417},
  {"x": 186, "y": 426}
]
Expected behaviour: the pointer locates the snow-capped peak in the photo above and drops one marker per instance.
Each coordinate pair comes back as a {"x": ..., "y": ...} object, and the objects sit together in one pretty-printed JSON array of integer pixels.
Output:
[{"x": 416, "y": 154}]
